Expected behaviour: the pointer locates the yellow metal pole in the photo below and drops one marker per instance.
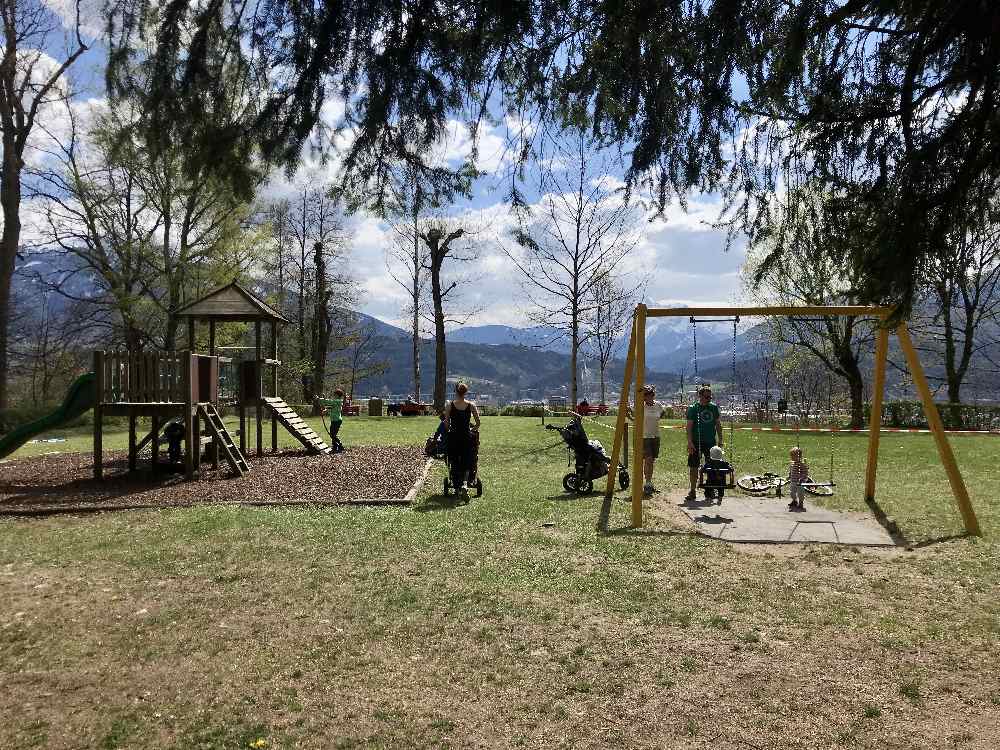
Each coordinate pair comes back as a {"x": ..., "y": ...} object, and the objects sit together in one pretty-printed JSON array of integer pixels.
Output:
[
  {"x": 620, "y": 425},
  {"x": 684, "y": 312},
  {"x": 875, "y": 419},
  {"x": 937, "y": 428},
  {"x": 638, "y": 415}
]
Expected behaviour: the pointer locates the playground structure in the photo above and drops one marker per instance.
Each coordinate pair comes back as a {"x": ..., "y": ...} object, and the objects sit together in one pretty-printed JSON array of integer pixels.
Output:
[
  {"x": 635, "y": 366},
  {"x": 183, "y": 387}
]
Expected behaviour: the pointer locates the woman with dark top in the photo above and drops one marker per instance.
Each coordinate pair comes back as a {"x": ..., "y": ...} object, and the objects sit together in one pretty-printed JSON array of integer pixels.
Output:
[{"x": 458, "y": 418}]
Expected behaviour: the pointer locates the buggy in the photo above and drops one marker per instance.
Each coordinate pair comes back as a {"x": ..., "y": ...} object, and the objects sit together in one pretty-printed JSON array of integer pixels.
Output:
[
  {"x": 591, "y": 462},
  {"x": 453, "y": 481}
]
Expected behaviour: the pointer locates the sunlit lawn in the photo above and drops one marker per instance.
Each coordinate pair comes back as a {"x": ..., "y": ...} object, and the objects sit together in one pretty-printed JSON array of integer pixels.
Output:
[{"x": 509, "y": 621}]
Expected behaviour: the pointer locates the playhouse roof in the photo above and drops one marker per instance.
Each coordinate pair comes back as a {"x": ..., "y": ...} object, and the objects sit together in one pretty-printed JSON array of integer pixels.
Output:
[{"x": 231, "y": 302}]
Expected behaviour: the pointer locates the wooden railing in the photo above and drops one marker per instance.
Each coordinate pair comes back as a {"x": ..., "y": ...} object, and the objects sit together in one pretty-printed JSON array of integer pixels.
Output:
[{"x": 143, "y": 378}]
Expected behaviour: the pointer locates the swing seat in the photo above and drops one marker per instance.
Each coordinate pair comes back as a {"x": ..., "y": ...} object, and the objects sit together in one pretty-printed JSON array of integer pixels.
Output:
[{"x": 729, "y": 479}]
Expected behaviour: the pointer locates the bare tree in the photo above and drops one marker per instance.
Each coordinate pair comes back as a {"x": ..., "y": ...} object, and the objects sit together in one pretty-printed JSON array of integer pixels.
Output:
[
  {"x": 442, "y": 238},
  {"x": 361, "y": 357},
  {"x": 581, "y": 233},
  {"x": 99, "y": 238},
  {"x": 47, "y": 339},
  {"x": 612, "y": 307},
  {"x": 962, "y": 297},
  {"x": 27, "y": 84},
  {"x": 813, "y": 272},
  {"x": 406, "y": 258}
]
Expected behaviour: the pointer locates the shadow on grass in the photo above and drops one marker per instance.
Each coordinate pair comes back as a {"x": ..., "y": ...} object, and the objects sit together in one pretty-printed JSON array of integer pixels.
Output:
[
  {"x": 442, "y": 502},
  {"x": 892, "y": 528},
  {"x": 645, "y": 533},
  {"x": 940, "y": 540}
]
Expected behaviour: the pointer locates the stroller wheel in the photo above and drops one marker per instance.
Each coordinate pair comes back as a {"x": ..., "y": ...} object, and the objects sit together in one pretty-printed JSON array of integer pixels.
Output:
[
  {"x": 479, "y": 487},
  {"x": 447, "y": 486},
  {"x": 569, "y": 482},
  {"x": 583, "y": 486},
  {"x": 623, "y": 479}
]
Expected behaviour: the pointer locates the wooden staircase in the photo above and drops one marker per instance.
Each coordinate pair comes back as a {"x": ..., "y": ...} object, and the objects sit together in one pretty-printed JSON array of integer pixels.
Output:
[
  {"x": 297, "y": 426},
  {"x": 217, "y": 429}
]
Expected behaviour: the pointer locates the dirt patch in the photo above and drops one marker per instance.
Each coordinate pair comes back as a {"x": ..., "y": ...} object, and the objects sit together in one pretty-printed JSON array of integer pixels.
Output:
[{"x": 65, "y": 481}]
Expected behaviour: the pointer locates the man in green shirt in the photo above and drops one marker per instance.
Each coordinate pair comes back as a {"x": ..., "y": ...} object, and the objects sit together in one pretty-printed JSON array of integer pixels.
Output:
[{"x": 704, "y": 423}]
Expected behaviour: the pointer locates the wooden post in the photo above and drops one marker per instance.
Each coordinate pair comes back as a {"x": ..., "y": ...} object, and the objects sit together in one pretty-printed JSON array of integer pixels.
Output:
[
  {"x": 875, "y": 418},
  {"x": 274, "y": 384},
  {"x": 260, "y": 389},
  {"x": 192, "y": 448},
  {"x": 937, "y": 429},
  {"x": 98, "y": 417},
  {"x": 211, "y": 337},
  {"x": 621, "y": 434},
  {"x": 638, "y": 416},
  {"x": 191, "y": 334},
  {"x": 154, "y": 444},
  {"x": 131, "y": 441}
]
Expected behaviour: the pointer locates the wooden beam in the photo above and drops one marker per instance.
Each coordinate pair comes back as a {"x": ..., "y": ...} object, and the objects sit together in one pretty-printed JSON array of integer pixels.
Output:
[
  {"x": 875, "y": 418},
  {"x": 937, "y": 429},
  {"x": 260, "y": 387},
  {"x": 131, "y": 442},
  {"x": 638, "y": 415},
  {"x": 274, "y": 383},
  {"x": 190, "y": 446},
  {"x": 620, "y": 422},
  {"x": 730, "y": 312},
  {"x": 211, "y": 337},
  {"x": 98, "y": 415}
]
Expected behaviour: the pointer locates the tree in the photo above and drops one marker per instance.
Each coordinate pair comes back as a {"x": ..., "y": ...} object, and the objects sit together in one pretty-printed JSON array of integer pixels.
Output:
[
  {"x": 442, "y": 240},
  {"x": 904, "y": 95},
  {"x": 962, "y": 296},
  {"x": 30, "y": 81},
  {"x": 813, "y": 271},
  {"x": 582, "y": 232},
  {"x": 612, "y": 307},
  {"x": 100, "y": 235},
  {"x": 361, "y": 357},
  {"x": 407, "y": 257},
  {"x": 892, "y": 111}
]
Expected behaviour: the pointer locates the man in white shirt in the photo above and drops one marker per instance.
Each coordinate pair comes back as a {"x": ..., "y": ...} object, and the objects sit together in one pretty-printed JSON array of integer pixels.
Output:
[{"x": 652, "y": 409}]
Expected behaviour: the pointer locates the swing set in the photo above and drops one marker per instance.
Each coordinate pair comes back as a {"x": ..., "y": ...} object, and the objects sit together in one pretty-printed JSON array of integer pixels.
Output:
[{"x": 635, "y": 371}]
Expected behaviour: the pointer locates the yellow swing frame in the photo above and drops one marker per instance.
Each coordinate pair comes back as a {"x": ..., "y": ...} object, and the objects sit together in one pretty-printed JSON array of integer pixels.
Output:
[{"x": 635, "y": 370}]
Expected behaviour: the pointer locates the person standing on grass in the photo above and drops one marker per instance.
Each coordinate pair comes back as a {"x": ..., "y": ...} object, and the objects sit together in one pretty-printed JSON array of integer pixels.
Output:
[
  {"x": 458, "y": 417},
  {"x": 704, "y": 423},
  {"x": 651, "y": 411}
]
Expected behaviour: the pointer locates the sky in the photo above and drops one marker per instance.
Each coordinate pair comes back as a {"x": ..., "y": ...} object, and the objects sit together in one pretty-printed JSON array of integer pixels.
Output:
[{"x": 680, "y": 254}]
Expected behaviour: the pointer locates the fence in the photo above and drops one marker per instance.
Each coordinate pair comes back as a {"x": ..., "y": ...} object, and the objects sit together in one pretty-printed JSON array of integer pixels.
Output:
[{"x": 142, "y": 378}]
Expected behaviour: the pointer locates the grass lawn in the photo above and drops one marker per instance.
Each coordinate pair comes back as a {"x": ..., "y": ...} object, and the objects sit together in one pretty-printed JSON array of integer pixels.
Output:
[{"x": 510, "y": 621}]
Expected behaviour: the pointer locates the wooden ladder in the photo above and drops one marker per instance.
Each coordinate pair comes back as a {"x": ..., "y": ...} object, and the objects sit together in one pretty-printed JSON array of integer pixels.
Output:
[
  {"x": 297, "y": 426},
  {"x": 217, "y": 429}
]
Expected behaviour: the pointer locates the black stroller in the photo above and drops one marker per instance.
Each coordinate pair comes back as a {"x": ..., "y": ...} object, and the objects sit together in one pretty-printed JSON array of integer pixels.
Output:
[
  {"x": 452, "y": 481},
  {"x": 589, "y": 456}
]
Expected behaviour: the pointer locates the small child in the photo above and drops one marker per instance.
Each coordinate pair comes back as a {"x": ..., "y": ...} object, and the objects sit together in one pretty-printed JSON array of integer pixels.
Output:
[
  {"x": 716, "y": 469},
  {"x": 798, "y": 472}
]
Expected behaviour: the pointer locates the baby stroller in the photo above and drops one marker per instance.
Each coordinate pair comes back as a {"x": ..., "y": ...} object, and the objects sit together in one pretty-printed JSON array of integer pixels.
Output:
[
  {"x": 591, "y": 462},
  {"x": 454, "y": 481}
]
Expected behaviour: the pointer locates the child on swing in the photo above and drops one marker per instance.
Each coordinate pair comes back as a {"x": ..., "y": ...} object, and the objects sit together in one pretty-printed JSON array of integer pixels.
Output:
[{"x": 798, "y": 472}]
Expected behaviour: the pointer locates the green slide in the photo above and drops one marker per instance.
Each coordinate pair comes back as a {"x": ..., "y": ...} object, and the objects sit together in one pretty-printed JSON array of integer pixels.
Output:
[{"x": 79, "y": 398}]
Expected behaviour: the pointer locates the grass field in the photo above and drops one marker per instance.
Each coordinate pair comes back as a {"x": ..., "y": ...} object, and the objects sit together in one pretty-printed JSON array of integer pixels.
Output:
[{"x": 510, "y": 621}]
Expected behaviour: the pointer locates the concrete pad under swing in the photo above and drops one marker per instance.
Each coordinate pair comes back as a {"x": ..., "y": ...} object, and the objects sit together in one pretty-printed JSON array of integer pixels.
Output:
[{"x": 743, "y": 518}]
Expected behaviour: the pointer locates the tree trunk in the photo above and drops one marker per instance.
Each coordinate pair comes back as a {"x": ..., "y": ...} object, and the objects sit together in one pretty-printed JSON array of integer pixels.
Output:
[
  {"x": 440, "y": 348},
  {"x": 10, "y": 199},
  {"x": 321, "y": 324},
  {"x": 573, "y": 351},
  {"x": 416, "y": 317}
]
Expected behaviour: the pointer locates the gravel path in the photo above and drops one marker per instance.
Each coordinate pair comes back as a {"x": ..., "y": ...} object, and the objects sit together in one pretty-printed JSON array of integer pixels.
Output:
[{"x": 65, "y": 481}]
